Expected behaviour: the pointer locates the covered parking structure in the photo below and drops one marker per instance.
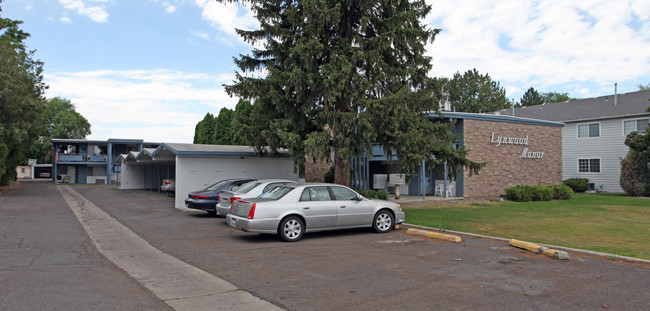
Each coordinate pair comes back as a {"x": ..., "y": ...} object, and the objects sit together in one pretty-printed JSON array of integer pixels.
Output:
[{"x": 196, "y": 166}]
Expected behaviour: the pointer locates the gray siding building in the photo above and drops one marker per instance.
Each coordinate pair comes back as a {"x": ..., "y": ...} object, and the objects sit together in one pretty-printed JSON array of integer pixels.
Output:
[{"x": 593, "y": 138}]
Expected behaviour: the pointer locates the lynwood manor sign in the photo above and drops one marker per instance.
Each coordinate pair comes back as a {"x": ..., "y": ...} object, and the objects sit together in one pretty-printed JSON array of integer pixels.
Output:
[{"x": 525, "y": 154}]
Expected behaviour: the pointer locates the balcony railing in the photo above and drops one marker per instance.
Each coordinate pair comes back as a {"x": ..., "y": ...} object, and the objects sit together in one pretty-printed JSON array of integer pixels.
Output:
[{"x": 99, "y": 158}]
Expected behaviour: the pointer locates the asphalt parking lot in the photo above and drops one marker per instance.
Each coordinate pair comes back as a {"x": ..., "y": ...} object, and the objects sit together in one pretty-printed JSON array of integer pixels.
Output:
[{"x": 362, "y": 270}]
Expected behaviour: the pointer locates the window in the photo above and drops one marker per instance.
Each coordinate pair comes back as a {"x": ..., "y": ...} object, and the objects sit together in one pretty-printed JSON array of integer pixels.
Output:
[
  {"x": 589, "y": 165},
  {"x": 344, "y": 194},
  {"x": 638, "y": 125},
  {"x": 315, "y": 194},
  {"x": 588, "y": 130}
]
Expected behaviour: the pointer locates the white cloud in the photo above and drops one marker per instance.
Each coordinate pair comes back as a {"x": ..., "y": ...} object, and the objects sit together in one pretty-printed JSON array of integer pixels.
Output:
[
  {"x": 155, "y": 105},
  {"x": 543, "y": 43},
  {"x": 66, "y": 20},
  {"x": 95, "y": 11},
  {"x": 170, "y": 9},
  {"x": 226, "y": 17}
]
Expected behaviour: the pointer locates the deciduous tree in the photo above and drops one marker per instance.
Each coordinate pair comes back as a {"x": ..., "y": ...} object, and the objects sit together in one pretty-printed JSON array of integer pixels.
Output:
[
  {"x": 61, "y": 120},
  {"x": 475, "y": 92},
  {"x": 21, "y": 96},
  {"x": 556, "y": 97}
]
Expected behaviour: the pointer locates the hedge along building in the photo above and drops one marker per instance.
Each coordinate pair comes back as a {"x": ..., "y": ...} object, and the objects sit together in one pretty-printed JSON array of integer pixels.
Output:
[{"x": 518, "y": 151}]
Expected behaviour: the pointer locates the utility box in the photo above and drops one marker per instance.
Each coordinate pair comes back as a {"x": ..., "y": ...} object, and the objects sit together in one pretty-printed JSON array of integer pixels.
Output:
[{"x": 397, "y": 179}]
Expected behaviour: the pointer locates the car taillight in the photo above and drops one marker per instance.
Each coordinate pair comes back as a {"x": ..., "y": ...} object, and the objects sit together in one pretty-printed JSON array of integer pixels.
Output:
[
  {"x": 251, "y": 214},
  {"x": 199, "y": 196},
  {"x": 233, "y": 199},
  {"x": 399, "y": 207}
]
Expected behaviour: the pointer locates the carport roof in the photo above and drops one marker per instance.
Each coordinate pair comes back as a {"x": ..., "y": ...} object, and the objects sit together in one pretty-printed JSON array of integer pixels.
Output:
[
  {"x": 198, "y": 150},
  {"x": 169, "y": 152}
]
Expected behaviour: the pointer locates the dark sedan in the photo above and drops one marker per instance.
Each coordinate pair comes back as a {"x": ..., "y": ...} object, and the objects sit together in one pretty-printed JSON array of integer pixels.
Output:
[{"x": 208, "y": 198}]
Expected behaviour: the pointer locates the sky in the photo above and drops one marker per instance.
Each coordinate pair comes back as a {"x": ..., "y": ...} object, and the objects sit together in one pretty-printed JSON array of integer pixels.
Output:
[{"x": 152, "y": 69}]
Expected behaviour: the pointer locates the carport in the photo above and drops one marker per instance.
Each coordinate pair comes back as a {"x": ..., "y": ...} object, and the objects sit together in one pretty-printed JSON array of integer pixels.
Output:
[{"x": 197, "y": 166}]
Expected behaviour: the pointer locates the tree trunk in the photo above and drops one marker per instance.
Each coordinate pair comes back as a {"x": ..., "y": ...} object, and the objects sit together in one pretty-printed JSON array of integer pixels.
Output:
[{"x": 341, "y": 171}]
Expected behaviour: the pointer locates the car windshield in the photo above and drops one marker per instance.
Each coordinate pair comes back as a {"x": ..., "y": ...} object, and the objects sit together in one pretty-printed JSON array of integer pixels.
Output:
[
  {"x": 276, "y": 193},
  {"x": 217, "y": 185},
  {"x": 248, "y": 187}
]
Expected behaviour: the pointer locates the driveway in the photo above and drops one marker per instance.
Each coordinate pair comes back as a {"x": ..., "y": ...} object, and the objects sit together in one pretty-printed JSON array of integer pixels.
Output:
[
  {"x": 362, "y": 270},
  {"x": 342, "y": 270}
]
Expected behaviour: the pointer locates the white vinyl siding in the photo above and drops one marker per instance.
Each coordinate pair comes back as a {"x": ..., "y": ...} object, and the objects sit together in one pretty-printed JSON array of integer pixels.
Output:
[
  {"x": 638, "y": 125},
  {"x": 610, "y": 149},
  {"x": 588, "y": 130}
]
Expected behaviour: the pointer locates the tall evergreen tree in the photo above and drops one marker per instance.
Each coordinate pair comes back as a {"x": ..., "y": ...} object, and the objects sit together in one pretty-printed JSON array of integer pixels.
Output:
[
  {"x": 245, "y": 133},
  {"x": 21, "y": 98},
  {"x": 204, "y": 131},
  {"x": 340, "y": 75},
  {"x": 223, "y": 130},
  {"x": 531, "y": 98},
  {"x": 475, "y": 92}
]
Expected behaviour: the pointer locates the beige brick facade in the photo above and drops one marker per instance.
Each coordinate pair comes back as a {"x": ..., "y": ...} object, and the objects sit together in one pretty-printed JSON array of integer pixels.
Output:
[{"x": 506, "y": 167}]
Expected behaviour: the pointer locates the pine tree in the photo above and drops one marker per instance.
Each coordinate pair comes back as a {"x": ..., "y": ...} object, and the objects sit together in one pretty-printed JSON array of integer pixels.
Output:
[
  {"x": 531, "y": 98},
  {"x": 338, "y": 76}
]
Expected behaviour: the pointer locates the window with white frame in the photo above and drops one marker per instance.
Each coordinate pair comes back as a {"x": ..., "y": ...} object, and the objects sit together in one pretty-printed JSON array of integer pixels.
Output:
[
  {"x": 638, "y": 125},
  {"x": 588, "y": 130},
  {"x": 589, "y": 165}
]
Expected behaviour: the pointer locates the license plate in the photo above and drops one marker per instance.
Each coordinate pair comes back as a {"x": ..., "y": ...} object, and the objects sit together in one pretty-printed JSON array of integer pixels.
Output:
[{"x": 233, "y": 222}]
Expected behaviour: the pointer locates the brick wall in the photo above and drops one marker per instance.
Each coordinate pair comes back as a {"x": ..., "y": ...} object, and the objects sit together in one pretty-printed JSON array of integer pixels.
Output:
[
  {"x": 506, "y": 167},
  {"x": 315, "y": 170}
]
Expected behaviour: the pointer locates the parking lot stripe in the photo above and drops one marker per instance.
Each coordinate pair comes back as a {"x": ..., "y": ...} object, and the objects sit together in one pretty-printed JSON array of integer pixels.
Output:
[{"x": 180, "y": 285}]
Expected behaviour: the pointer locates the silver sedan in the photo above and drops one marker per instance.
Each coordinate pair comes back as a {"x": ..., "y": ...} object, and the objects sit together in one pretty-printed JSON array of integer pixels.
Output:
[{"x": 293, "y": 209}]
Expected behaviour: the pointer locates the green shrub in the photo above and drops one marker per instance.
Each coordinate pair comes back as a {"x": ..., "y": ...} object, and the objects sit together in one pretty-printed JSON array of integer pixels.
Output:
[
  {"x": 519, "y": 193},
  {"x": 562, "y": 192},
  {"x": 635, "y": 175},
  {"x": 577, "y": 184},
  {"x": 372, "y": 194},
  {"x": 539, "y": 193}
]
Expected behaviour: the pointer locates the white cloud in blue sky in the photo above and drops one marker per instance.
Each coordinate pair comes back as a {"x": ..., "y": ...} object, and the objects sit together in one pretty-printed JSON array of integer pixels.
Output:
[{"x": 152, "y": 69}]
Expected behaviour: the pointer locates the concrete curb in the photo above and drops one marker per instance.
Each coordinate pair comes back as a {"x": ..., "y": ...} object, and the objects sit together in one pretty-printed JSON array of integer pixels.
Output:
[
  {"x": 538, "y": 249},
  {"x": 575, "y": 250},
  {"x": 435, "y": 235}
]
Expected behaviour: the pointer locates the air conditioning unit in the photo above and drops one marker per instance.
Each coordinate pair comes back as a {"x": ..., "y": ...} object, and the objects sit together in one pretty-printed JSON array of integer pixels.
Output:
[{"x": 379, "y": 181}]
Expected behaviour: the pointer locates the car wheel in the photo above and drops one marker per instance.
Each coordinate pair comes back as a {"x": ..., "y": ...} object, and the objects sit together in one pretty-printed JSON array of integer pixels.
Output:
[
  {"x": 291, "y": 229},
  {"x": 383, "y": 221}
]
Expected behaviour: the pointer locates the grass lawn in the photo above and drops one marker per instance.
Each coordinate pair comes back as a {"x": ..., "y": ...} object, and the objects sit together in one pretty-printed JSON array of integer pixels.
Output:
[{"x": 608, "y": 223}]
